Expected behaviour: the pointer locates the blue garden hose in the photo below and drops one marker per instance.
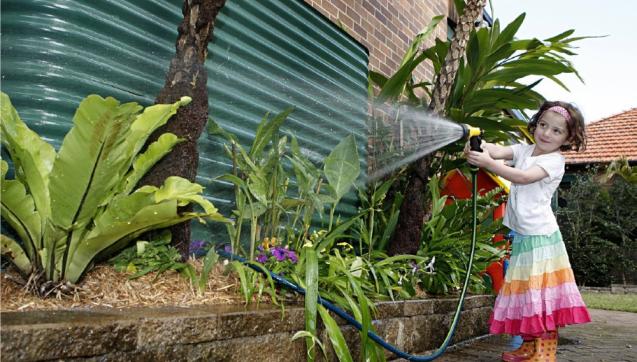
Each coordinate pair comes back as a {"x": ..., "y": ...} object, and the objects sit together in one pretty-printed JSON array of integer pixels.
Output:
[{"x": 376, "y": 338}]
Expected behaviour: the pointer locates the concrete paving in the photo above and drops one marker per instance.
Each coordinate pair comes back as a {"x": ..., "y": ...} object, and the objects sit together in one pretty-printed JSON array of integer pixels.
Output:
[{"x": 610, "y": 337}]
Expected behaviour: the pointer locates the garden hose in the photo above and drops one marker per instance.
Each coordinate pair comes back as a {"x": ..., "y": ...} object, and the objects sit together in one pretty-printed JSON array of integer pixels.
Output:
[{"x": 376, "y": 338}]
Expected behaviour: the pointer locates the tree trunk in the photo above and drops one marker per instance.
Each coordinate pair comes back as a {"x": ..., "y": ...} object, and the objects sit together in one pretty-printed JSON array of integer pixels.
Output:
[
  {"x": 416, "y": 206},
  {"x": 406, "y": 238},
  {"x": 186, "y": 76},
  {"x": 472, "y": 10}
]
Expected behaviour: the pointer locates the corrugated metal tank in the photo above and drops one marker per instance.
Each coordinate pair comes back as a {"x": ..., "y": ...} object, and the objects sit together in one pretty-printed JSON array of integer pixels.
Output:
[{"x": 265, "y": 57}]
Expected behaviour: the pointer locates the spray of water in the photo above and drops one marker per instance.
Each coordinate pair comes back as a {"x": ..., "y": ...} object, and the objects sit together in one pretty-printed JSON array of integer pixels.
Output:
[
  {"x": 396, "y": 134},
  {"x": 401, "y": 134}
]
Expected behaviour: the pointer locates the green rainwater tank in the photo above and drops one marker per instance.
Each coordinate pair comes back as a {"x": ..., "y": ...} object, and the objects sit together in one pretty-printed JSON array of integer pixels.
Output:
[{"x": 265, "y": 56}]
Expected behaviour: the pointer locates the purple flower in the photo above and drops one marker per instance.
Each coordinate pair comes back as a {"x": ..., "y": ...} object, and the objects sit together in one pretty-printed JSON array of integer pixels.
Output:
[
  {"x": 227, "y": 249},
  {"x": 261, "y": 258},
  {"x": 196, "y": 246},
  {"x": 292, "y": 256},
  {"x": 279, "y": 253}
]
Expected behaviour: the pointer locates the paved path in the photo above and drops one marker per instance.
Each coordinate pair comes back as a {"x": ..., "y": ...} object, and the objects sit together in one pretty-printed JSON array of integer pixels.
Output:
[{"x": 610, "y": 337}]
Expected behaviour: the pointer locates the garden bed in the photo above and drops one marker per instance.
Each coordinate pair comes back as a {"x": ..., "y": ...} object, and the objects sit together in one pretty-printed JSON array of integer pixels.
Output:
[{"x": 103, "y": 287}]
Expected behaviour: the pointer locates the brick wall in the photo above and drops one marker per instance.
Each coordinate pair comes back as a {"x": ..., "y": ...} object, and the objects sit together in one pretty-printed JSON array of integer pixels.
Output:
[{"x": 386, "y": 27}]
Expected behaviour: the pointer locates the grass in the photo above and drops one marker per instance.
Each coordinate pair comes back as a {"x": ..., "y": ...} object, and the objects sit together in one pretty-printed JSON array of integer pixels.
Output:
[{"x": 620, "y": 302}]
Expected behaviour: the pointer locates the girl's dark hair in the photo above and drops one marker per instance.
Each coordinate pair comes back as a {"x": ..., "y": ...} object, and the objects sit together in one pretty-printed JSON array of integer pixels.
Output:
[{"x": 575, "y": 126}]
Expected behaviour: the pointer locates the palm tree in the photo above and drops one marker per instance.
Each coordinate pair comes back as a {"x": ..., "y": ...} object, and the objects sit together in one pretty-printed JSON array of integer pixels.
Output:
[{"x": 412, "y": 212}]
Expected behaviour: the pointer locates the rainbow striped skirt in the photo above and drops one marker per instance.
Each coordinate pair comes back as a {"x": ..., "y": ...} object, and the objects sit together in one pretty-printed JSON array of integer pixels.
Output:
[{"x": 539, "y": 292}]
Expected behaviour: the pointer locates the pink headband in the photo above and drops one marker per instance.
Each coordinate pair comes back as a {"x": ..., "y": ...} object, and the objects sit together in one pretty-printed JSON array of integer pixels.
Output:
[{"x": 561, "y": 111}]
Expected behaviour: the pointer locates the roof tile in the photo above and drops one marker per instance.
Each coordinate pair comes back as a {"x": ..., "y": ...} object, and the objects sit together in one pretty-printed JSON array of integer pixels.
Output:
[{"x": 609, "y": 139}]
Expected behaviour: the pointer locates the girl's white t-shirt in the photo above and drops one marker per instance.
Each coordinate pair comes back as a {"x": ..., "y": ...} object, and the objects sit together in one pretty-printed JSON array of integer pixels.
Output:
[{"x": 528, "y": 210}]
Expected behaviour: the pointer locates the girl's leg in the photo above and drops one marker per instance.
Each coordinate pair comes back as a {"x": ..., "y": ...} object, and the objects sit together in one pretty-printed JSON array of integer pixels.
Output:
[{"x": 523, "y": 352}]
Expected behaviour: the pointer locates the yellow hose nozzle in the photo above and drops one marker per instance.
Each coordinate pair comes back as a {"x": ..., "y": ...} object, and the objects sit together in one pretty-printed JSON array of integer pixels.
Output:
[
  {"x": 470, "y": 131},
  {"x": 473, "y": 134}
]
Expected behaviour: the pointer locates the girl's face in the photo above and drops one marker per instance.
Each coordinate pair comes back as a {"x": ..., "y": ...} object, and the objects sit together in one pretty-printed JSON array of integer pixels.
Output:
[{"x": 550, "y": 133}]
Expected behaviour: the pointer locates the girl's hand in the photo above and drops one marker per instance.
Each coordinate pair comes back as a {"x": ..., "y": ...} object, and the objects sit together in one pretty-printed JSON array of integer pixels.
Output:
[
  {"x": 480, "y": 159},
  {"x": 467, "y": 146}
]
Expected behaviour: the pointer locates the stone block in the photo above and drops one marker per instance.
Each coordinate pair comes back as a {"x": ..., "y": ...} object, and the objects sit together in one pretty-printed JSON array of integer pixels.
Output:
[
  {"x": 418, "y": 307},
  {"x": 66, "y": 340}
]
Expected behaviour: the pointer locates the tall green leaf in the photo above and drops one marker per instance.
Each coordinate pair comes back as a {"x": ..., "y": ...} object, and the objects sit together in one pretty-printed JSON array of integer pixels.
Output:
[
  {"x": 342, "y": 166},
  {"x": 84, "y": 173},
  {"x": 32, "y": 157},
  {"x": 11, "y": 249},
  {"x": 311, "y": 296},
  {"x": 18, "y": 210},
  {"x": 266, "y": 130},
  {"x": 416, "y": 44},
  {"x": 335, "y": 335},
  {"x": 145, "y": 161}
]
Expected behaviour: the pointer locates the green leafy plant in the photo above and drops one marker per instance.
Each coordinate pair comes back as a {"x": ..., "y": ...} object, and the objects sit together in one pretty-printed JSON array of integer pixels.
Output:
[
  {"x": 335, "y": 335},
  {"x": 159, "y": 256},
  {"x": 261, "y": 180},
  {"x": 315, "y": 190},
  {"x": 145, "y": 257},
  {"x": 446, "y": 241},
  {"x": 75, "y": 206},
  {"x": 488, "y": 81},
  {"x": 377, "y": 222},
  {"x": 599, "y": 226},
  {"x": 342, "y": 168}
]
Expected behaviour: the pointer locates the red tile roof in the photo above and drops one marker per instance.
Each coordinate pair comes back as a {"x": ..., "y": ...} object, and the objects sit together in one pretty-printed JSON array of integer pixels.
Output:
[{"x": 609, "y": 139}]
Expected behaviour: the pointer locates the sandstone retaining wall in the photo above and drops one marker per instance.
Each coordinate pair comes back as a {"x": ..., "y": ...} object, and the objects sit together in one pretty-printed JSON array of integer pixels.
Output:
[{"x": 220, "y": 333}]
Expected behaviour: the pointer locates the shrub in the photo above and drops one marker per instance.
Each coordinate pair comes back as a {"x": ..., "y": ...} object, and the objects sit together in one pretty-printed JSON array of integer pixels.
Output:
[{"x": 599, "y": 225}]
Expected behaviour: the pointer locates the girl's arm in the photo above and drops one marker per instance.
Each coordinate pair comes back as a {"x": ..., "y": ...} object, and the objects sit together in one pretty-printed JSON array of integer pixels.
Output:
[
  {"x": 522, "y": 177},
  {"x": 498, "y": 152}
]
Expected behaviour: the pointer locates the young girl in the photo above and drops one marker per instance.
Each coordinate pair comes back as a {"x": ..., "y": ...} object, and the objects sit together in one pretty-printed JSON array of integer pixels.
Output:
[{"x": 539, "y": 294}]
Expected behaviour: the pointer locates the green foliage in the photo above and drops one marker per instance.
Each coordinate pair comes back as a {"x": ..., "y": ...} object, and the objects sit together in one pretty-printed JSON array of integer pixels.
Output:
[
  {"x": 261, "y": 179},
  {"x": 341, "y": 168},
  {"x": 377, "y": 222},
  {"x": 159, "y": 256},
  {"x": 71, "y": 208},
  {"x": 401, "y": 82},
  {"x": 312, "y": 340},
  {"x": 149, "y": 256},
  {"x": 447, "y": 239},
  {"x": 621, "y": 168},
  {"x": 599, "y": 226},
  {"x": 488, "y": 81}
]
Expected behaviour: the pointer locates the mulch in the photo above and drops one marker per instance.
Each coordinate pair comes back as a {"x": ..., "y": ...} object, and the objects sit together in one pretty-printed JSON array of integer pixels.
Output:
[{"x": 103, "y": 287}]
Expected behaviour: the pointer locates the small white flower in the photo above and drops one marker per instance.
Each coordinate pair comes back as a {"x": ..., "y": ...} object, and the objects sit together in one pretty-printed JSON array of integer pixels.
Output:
[{"x": 430, "y": 267}]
